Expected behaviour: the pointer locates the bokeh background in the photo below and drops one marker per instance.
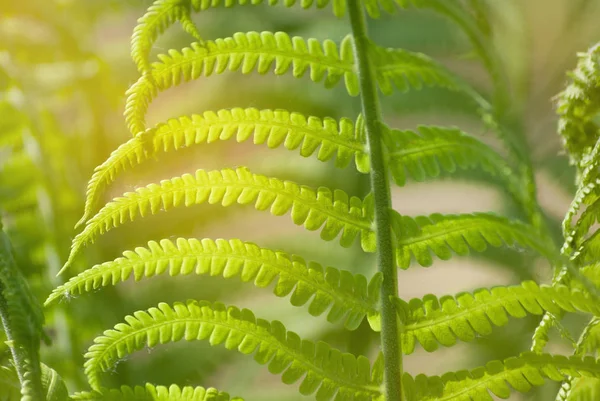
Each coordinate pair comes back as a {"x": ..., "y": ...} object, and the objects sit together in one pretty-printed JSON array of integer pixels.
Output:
[{"x": 64, "y": 69}]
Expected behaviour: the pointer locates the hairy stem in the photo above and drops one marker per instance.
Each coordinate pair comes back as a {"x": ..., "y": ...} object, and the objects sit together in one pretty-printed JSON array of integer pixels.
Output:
[
  {"x": 5, "y": 321},
  {"x": 390, "y": 330}
]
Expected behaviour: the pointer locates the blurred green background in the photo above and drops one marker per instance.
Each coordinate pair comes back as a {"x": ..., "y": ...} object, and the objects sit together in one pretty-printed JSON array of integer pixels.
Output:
[{"x": 64, "y": 69}]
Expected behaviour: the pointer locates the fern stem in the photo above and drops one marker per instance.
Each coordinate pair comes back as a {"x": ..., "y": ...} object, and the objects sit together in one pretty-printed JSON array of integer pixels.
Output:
[
  {"x": 5, "y": 322},
  {"x": 390, "y": 330}
]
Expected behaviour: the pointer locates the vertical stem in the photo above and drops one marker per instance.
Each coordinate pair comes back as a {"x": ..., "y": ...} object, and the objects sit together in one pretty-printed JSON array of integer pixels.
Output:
[{"x": 390, "y": 330}]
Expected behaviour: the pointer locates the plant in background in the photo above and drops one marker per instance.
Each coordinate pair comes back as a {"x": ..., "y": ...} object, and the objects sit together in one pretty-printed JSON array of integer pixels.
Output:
[
  {"x": 389, "y": 157},
  {"x": 43, "y": 77}
]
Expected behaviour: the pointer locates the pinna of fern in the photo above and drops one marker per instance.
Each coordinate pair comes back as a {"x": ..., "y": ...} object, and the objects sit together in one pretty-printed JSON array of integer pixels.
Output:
[{"x": 324, "y": 371}]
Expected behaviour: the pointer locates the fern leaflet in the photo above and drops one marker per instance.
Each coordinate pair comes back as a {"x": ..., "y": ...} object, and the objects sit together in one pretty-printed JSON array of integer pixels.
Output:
[
  {"x": 521, "y": 373},
  {"x": 432, "y": 321},
  {"x": 326, "y": 371},
  {"x": 150, "y": 392},
  {"x": 347, "y": 296},
  {"x": 246, "y": 52},
  {"x": 442, "y": 235},
  {"x": 405, "y": 69},
  {"x": 325, "y": 137},
  {"x": 425, "y": 153},
  {"x": 335, "y": 211}
]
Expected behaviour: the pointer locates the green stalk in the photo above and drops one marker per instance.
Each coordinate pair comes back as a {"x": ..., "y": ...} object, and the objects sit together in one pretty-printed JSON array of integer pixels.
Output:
[
  {"x": 390, "y": 330},
  {"x": 18, "y": 358}
]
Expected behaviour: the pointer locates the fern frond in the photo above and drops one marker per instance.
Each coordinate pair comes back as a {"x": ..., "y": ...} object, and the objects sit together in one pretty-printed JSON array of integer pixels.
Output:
[
  {"x": 405, "y": 69},
  {"x": 22, "y": 319},
  {"x": 345, "y": 295},
  {"x": 578, "y": 105},
  {"x": 150, "y": 392},
  {"x": 326, "y": 371},
  {"x": 432, "y": 149},
  {"x": 246, "y": 52},
  {"x": 325, "y": 138},
  {"x": 441, "y": 235},
  {"x": 432, "y": 321},
  {"x": 335, "y": 211},
  {"x": 498, "y": 377}
]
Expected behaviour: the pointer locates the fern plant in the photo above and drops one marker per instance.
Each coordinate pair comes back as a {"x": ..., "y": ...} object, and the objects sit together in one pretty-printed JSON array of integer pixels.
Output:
[{"x": 388, "y": 157}]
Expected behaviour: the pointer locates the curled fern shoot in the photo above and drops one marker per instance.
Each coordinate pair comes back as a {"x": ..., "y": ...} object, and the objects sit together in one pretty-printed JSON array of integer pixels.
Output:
[
  {"x": 333, "y": 211},
  {"x": 432, "y": 321},
  {"x": 347, "y": 297},
  {"x": 246, "y": 52},
  {"x": 445, "y": 235},
  {"x": 150, "y": 392},
  {"x": 578, "y": 105},
  {"x": 325, "y": 138},
  {"x": 324, "y": 370}
]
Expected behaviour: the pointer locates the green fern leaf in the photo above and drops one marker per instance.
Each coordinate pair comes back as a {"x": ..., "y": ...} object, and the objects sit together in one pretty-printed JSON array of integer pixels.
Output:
[
  {"x": 324, "y": 138},
  {"x": 520, "y": 373},
  {"x": 326, "y": 371},
  {"x": 333, "y": 211},
  {"x": 425, "y": 153},
  {"x": 22, "y": 319},
  {"x": 345, "y": 295},
  {"x": 406, "y": 69},
  {"x": 432, "y": 321},
  {"x": 442, "y": 235},
  {"x": 245, "y": 52},
  {"x": 150, "y": 392}
]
